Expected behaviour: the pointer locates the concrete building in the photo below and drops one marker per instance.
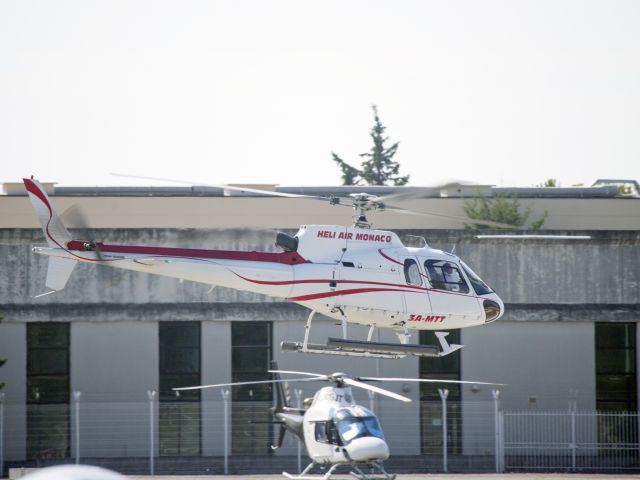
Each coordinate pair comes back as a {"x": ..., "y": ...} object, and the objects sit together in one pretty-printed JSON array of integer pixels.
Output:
[{"x": 569, "y": 333}]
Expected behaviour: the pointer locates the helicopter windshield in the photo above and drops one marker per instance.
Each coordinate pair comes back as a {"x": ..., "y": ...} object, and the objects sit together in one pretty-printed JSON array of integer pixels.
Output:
[
  {"x": 351, "y": 427},
  {"x": 479, "y": 286}
]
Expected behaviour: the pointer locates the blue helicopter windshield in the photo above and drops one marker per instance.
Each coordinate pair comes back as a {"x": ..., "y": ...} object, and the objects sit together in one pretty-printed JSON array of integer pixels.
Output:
[{"x": 351, "y": 428}]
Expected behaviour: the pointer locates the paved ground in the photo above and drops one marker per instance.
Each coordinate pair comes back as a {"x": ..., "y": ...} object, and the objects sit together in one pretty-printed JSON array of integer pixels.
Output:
[{"x": 433, "y": 476}]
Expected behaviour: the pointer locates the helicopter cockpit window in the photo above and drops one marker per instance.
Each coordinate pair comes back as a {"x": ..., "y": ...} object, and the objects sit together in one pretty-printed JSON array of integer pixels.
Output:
[
  {"x": 445, "y": 275},
  {"x": 478, "y": 285},
  {"x": 412, "y": 272},
  {"x": 356, "y": 427}
]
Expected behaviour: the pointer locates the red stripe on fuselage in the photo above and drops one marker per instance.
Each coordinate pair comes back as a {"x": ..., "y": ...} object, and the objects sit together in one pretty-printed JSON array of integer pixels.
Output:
[
  {"x": 319, "y": 280},
  {"x": 288, "y": 258},
  {"x": 353, "y": 291},
  {"x": 389, "y": 258}
]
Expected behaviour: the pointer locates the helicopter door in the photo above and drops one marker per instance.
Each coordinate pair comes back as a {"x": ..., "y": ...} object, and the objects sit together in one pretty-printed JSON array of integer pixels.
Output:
[
  {"x": 416, "y": 300},
  {"x": 450, "y": 293}
]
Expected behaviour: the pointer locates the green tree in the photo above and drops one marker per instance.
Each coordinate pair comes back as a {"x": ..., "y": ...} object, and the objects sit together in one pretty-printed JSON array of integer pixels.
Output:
[
  {"x": 379, "y": 168},
  {"x": 501, "y": 208},
  {"x": 551, "y": 182}
]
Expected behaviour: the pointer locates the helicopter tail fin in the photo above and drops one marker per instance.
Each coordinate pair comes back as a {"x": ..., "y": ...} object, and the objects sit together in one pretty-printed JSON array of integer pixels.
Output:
[
  {"x": 55, "y": 233},
  {"x": 283, "y": 392},
  {"x": 282, "y": 401},
  {"x": 54, "y": 230}
]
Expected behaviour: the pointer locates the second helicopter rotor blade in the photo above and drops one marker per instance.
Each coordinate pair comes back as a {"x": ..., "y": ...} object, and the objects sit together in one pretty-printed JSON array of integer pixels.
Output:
[
  {"x": 381, "y": 391},
  {"x": 293, "y": 372},
  {"x": 426, "y": 380},
  {"x": 235, "y": 384}
]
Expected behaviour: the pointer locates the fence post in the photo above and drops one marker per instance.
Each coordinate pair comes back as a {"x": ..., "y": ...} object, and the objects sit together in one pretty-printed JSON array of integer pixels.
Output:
[
  {"x": 501, "y": 442},
  {"x": 225, "y": 403},
  {"x": 496, "y": 420},
  {"x": 573, "y": 440},
  {"x": 151, "y": 394},
  {"x": 444, "y": 393},
  {"x": 76, "y": 402},
  {"x": 372, "y": 396},
  {"x": 1, "y": 435},
  {"x": 298, "y": 392}
]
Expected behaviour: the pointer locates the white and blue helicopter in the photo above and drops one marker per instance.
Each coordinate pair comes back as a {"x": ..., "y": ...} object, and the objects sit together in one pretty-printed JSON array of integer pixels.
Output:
[{"x": 334, "y": 429}]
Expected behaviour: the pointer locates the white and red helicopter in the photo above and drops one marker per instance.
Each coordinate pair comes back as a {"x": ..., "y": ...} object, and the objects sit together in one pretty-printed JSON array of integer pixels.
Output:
[
  {"x": 333, "y": 428},
  {"x": 353, "y": 274}
]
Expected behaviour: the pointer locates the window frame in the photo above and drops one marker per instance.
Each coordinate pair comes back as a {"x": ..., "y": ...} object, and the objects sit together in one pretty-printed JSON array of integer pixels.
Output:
[
  {"x": 465, "y": 289},
  {"x": 406, "y": 265}
]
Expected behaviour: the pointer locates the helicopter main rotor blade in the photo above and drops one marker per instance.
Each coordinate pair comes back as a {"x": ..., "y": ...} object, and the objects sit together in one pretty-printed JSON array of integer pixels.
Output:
[
  {"x": 224, "y": 187},
  {"x": 457, "y": 218},
  {"x": 426, "y": 380},
  {"x": 534, "y": 237},
  {"x": 235, "y": 384},
  {"x": 394, "y": 208},
  {"x": 293, "y": 372},
  {"x": 381, "y": 391}
]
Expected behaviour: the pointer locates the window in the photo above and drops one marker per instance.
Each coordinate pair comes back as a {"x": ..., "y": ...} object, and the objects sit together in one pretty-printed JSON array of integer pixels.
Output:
[
  {"x": 412, "y": 272},
  {"x": 48, "y": 390},
  {"x": 445, "y": 275},
  {"x": 326, "y": 432},
  {"x": 179, "y": 367},
  {"x": 616, "y": 387},
  {"x": 440, "y": 368},
  {"x": 351, "y": 427},
  {"x": 479, "y": 286},
  {"x": 251, "y": 353}
]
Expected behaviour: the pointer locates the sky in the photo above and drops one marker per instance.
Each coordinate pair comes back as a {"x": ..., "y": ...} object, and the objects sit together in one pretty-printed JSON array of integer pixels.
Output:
[{"x": 508, "y": 93}]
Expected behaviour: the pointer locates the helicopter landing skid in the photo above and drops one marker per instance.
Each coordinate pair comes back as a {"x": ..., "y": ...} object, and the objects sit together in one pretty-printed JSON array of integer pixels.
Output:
[
  {"x": 356, "y": 472},
  {"x": 358, "y": 348}
]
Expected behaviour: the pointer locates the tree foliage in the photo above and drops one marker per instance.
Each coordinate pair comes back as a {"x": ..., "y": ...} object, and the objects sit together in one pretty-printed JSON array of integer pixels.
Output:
[
  {"x": 378, "y": 168},
  {"x": 501, "y": 208}
]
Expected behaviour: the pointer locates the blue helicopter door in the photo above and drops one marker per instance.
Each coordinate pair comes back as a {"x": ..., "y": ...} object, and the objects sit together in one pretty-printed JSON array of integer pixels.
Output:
[
  {"x": 415, "y": 297},
  {"x": 450, "y": 293}
]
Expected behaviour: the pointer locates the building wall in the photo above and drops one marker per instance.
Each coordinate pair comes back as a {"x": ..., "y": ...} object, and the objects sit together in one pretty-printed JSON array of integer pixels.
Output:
[
  {"x": 543, "y": 367},
  {"x": 216, "y": 368},
  {"x": 603, "y": 270},
  {"x": 163, "y": 212},
  {"x": 13, "y": 347},
  {"x": 113, "y": 365},
  {"x": 542, "y": 364},
  {"x": 542, "y": 348}
]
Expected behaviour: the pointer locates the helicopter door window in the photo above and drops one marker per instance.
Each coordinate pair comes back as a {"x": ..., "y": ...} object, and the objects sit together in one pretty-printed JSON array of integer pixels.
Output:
[
  {"x": 445, "y": 275},
  {"x": 326, "y": 432},
  {"x": 412, "y": 272},
  {"x": 321, "y": 432}
]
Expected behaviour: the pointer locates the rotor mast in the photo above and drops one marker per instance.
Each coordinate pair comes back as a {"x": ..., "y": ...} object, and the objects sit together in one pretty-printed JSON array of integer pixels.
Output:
[{"x": 362, "y": 203}]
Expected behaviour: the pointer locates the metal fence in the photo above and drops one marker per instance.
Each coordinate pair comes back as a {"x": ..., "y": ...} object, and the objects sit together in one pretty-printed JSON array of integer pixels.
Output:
[
  {"x": 569, "y": 441},
  {"x": 216, "y": 435}
]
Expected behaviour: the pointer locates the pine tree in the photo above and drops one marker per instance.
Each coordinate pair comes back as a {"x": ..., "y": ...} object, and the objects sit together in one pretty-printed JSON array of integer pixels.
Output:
[{"x": 379, "y": 168}]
